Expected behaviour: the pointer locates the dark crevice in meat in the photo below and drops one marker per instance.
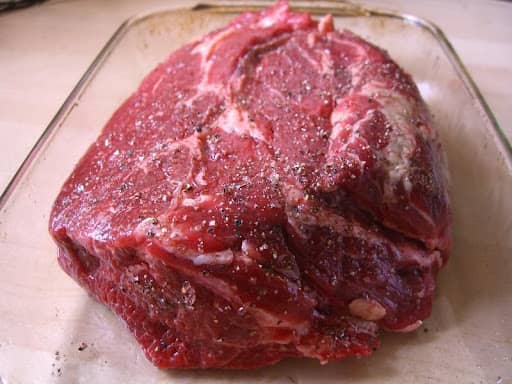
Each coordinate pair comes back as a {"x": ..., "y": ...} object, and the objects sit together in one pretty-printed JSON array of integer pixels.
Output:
[
  {"x": 275, "y": 189},
  {"x": 343, "y": 204}
]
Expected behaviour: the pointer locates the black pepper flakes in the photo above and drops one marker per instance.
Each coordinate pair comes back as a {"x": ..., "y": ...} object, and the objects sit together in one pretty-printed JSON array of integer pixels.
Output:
[{"x": 82, "y": 347}]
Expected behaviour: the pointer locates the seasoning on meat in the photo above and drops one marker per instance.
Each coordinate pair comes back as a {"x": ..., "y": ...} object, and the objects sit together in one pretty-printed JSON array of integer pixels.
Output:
[{"x": 275, "y": 189}]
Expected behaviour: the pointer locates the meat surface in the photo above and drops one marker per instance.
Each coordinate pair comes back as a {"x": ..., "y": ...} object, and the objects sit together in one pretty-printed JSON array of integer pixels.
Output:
[{"x": 273, "y": 190}]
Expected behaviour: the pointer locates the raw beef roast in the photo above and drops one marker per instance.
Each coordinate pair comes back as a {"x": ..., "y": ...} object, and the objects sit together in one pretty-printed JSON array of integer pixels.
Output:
[{"x": 273, "y": 190}]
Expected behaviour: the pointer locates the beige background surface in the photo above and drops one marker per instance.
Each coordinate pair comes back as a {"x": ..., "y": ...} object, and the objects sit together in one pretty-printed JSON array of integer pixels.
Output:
[{"x": 45, "y": 49}]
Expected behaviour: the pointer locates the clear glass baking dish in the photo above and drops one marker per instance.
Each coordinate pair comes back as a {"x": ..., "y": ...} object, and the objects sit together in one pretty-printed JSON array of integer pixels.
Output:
[{"x": 51, "y": 331}]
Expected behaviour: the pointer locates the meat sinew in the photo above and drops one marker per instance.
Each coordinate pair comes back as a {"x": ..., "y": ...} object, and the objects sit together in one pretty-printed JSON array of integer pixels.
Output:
[{"x": 273, "y": 190}]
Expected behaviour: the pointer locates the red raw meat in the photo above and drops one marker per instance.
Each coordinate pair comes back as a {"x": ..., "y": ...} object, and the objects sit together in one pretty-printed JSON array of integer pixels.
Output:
[{"x": 273, "y": 190}]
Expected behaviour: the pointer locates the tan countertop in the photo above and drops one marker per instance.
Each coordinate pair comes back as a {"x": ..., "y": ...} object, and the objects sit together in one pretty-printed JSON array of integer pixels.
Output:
[{"x": 45, "y": 49}]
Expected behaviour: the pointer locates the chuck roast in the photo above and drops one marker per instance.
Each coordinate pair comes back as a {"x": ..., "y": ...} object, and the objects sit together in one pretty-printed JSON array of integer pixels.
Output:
[{"x": 275, "y": 189}]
